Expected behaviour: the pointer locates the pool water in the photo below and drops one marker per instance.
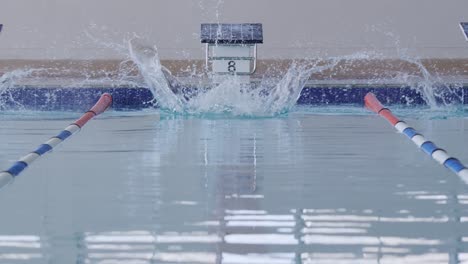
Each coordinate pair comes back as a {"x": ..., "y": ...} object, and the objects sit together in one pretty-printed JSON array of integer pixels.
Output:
[{"x": 322, "y": 185}]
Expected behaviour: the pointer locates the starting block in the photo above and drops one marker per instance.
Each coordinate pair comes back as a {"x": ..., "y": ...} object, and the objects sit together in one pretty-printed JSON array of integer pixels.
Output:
[{"x": 232, "y": 48}]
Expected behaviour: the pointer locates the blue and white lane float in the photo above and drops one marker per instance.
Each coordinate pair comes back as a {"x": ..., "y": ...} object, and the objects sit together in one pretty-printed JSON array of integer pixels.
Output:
[
  {"x": 102, "y": 104},
  {"x": 438, "y": 154}
]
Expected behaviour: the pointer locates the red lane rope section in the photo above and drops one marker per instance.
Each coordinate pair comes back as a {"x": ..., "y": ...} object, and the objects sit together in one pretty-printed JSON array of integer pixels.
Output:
[
  {"x": 101, "y": 105},
  {"x": 372, "y": 103}
]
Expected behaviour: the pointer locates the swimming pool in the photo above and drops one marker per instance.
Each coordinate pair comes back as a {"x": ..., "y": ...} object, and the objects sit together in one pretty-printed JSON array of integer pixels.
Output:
[{"x": 316, "y": 185}]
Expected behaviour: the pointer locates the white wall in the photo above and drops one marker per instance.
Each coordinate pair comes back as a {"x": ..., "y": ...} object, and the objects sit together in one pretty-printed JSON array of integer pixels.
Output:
[{"x": 55, "y": 29}]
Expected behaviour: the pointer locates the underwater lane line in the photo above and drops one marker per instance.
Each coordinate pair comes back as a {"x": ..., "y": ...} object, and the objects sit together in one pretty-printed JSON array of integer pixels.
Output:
[
  {"x": 372, "y": 103},
  {"x": 101, "y": 105}
]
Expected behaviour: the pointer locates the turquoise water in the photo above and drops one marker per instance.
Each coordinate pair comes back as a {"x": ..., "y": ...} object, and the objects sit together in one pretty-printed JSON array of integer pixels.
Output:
[
  {"x": 413, "y": 112},
  {"x": 332, "y": 184}
]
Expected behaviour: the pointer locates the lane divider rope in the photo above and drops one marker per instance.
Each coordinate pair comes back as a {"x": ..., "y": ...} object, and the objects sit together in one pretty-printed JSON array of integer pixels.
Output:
[
  {"x": 372, "y": 103},
  {"x": 101, "y": 105}
]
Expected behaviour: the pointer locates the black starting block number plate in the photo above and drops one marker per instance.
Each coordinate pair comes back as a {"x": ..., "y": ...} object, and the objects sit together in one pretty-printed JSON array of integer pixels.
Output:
[{"x": 246, "y": 33}]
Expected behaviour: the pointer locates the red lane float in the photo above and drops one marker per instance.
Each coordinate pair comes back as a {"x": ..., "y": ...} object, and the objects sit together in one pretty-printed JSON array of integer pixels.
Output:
[
  {"x": 102, "y": 104},
  {"x": 372, "y": 103}
]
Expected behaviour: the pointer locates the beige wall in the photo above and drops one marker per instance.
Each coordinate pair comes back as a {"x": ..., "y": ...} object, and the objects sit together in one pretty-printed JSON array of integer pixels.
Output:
[{"x": 55, "y": 29}]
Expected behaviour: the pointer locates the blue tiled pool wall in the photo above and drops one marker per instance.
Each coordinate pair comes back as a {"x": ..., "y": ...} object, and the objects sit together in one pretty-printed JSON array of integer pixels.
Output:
[
  {"x": 79, "y": 99},
  {"x": 388, "y": 95}
]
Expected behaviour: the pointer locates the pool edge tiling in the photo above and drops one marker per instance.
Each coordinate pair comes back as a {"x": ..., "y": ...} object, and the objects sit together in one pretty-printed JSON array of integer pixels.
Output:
[{"x": 77, "y": 99}]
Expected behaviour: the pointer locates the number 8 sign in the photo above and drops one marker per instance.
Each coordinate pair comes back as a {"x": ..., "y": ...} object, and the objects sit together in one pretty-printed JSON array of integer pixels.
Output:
[{"x": 231, "y": 66}]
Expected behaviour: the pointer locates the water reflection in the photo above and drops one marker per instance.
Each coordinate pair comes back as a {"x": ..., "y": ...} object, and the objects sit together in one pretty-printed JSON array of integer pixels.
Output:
[
  {"x": 250, "y": 191},
  {"x": 20, "y": 248},
  {"x": 330, "y": 237},
  {"x": 256, "y": 236}
]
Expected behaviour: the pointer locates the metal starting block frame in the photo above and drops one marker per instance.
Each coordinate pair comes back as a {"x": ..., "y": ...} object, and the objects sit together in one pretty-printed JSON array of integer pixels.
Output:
[{"x": 232, "y": 48}]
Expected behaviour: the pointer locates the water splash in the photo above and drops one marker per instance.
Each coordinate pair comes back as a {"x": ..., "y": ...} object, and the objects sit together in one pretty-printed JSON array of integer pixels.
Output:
[
  {"x": 436, "y": 93},
  {"x": 278, "y": 94},
  {"x": 9, "y": 80},
  {"x": 270, "y": 97},
  {"x": 147, "y": 60}
]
